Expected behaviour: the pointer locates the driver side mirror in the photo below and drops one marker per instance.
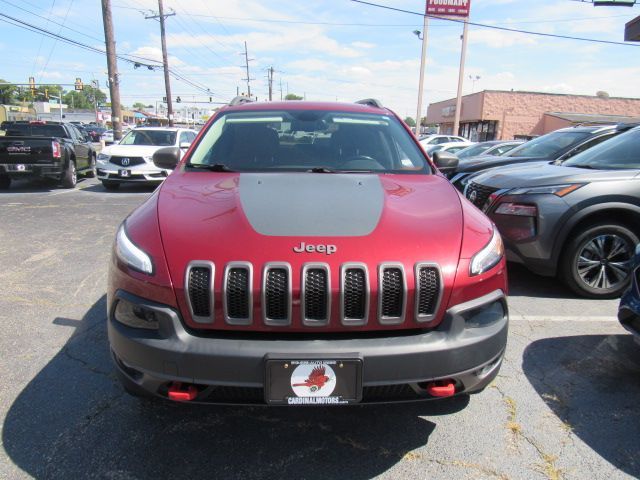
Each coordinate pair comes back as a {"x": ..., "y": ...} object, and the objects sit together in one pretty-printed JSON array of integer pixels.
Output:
[
  {"x": 166, "y": 158},
  {"x": 445, "y": 161},
  {"x": 184, "y": 145}
]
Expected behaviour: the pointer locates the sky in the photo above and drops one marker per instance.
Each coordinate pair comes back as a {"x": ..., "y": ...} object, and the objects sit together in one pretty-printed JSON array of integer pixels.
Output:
[{"x": 323, "y": 50}]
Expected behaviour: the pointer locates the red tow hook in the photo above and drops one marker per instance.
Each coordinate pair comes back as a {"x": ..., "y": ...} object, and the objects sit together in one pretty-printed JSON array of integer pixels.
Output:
[
  {"x": 441, "y": 388},
  {"x": 182, "y": 394}
]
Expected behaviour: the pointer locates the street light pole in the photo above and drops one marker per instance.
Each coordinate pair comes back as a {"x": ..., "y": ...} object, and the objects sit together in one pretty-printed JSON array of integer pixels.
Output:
[
  {"x": 422, "y": 65},
  {"x": 456, "y": 123}
]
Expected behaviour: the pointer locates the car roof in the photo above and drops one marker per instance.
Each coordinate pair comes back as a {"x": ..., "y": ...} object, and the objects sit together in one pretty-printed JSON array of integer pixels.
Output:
[{"x": 308, "y": 105}]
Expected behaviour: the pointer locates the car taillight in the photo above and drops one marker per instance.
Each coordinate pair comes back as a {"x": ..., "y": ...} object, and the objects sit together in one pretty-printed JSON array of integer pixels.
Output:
[{"x": 57, "y": 151}]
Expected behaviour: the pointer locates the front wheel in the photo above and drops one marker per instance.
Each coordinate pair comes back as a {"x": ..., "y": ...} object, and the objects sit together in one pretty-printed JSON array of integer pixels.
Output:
[
  {"x": 597, "y": 262},
  {"x": 92, "y": 167},
  {"x": 70, "y": 176}
]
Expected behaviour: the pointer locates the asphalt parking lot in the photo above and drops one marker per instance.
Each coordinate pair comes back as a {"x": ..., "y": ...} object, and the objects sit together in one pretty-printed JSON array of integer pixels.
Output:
[{"x": 565, "y": 404}]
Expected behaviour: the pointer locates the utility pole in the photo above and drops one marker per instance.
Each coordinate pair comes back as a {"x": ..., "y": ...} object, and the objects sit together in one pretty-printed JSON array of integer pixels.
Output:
[
  {"x": 270, "y": 76},
  {"x": 280, "y": 88},
  {"x": 246, "y": 62},
  {"x": 165, "y": 63},
  {"x": 112, "y": 69},
  {"x": 463, "y": 54},
  {"x": 423, "y": 58}
]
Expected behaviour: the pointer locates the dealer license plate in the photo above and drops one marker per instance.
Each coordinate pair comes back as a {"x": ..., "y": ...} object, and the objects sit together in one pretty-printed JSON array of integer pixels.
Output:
[
  {"x": 19, "y": 167},
  {"x": 124, "y": 173},
  {"x": 305, "y": 381}
]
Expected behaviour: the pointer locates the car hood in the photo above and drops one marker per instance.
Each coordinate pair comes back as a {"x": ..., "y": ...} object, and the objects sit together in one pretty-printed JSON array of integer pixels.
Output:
[
  {"x": 475, "y": 164},
  {"x": 262, "y": 217},
  {"x": 131, "y": 150},
  {"x": 546, "y": 173}
]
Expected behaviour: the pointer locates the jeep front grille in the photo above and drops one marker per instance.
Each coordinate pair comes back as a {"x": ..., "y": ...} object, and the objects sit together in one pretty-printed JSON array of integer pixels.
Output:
[
  {"x": 199, "y": 293},
  {"x": 316, "y": 293},
  {"x": 354, "y": 294},
  {"x": 276, "y": 294},
  {"x": 392, "y": 291},
  {"x": 237, "y": 293}
]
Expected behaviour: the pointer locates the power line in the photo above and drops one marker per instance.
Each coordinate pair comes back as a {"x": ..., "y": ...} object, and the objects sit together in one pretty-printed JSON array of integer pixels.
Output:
[{"x": 495, "y": 27}]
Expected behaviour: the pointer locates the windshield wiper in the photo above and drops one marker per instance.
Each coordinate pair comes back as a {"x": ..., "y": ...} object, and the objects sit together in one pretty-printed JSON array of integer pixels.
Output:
[
  {"x": 321, "y": 170},
  {"x": 583, "y": 165},
  {"x": 216, "y": 167}
]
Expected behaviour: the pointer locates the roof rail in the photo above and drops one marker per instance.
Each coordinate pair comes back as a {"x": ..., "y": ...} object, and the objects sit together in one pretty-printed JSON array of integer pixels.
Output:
[
  {"x": 372, "y": 102},
  {"x": 239, "y": 100}
]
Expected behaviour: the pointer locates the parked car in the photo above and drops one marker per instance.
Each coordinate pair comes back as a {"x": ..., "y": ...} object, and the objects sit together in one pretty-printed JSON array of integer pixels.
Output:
[
  {"x": 579, "y": 219},
  {"x": 493, "y": 147},
  {"x": 95, "y": 132},
  {"x": 107, "y": 136},
  {"x": 52, "y": 150},
  {"x": 451, "y": 147},
  {"x": 555, "y": 146},
  {"x": 436, "y": 139},
  {"x": 270, "y": 269},
  {"x": 131, "y": 160},
  {"x": 629, "y": 310}
]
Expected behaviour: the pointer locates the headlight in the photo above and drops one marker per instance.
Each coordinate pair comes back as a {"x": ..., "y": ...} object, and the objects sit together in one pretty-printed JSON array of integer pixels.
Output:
[
  {"x": 103, "y": 157},
  {"x": 132, "y": 255},
  {"x": 489, "y": 256},
  {"x": 558, "y": 190}
]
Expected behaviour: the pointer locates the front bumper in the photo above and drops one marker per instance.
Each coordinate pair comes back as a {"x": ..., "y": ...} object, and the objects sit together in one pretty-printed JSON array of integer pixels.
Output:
[
  {"x": 138, "y": 173},
  {"x": 230, "y": 368}
]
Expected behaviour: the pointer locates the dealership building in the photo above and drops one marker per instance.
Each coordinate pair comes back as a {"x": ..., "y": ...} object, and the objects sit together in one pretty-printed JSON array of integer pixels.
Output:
[{"x": 501, "y": 115}]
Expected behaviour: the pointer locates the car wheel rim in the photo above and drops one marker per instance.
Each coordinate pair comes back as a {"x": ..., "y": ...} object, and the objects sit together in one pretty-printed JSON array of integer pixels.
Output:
[{"x": 604, "y": 262}]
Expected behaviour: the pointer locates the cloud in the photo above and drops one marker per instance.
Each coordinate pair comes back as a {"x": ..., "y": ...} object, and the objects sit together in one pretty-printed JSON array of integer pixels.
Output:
[
  {"x": 362, "y": 45},
  {"x": 499, "y": 39}
]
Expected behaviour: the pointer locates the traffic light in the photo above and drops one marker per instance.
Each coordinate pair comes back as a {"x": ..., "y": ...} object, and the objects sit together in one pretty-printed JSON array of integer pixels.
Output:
[
  {"x": 46, "y": 93},
  {"x": 164, "y": 99},
  {"x": 32, "y": 85},
  {"x": 78, "y": 84},
  {"x": 178, "y": 100},
  {"x": 210, "y": 99}
]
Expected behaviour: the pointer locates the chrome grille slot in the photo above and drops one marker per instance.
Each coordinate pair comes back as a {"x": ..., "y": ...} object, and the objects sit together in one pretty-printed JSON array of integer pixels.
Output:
[
  {"x": 428, "y": 291},
  {"x": 276, "y": 294},
  {"x": 237, "y": 293},
  {"x": 199, "y": 290},
  {"x": 354, "y": 294},
  {"x": 315, "y": 295},
  {"x": 392, "y": 294}
]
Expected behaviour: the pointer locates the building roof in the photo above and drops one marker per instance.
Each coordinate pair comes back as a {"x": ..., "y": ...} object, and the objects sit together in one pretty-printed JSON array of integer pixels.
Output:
[{"x": 593, "y": 118}]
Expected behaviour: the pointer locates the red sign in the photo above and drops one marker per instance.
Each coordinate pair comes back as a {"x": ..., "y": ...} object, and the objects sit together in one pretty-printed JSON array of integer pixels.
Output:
[{"x": 451, "y": 8}]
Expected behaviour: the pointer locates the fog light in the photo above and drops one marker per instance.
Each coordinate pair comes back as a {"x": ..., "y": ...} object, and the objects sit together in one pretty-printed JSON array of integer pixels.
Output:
[
  {"x": 484, "y": 316},
  {"x": 136, "y": 316}
]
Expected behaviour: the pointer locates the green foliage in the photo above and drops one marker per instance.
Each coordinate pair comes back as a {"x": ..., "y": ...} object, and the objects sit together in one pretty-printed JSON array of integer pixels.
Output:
[
  {"x": 85, "y": 98},
  {"x": 7, "y": 93},
  {"x": 139, "y": 106},
  {"x": 410, "y": 121},
  {"x": 292, "y": 96}
]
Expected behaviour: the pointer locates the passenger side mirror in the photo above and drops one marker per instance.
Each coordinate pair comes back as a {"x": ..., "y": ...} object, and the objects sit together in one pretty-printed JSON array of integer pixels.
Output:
[
  {"x": 166, "y": 158},
  {"x": 445, "y": 161},
  {"x": 185, "y": 144}
]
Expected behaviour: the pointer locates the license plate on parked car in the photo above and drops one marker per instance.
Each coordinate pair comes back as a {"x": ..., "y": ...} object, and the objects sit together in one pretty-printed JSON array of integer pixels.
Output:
[
  {"x": 19, "y": 167},
  {"x": 313, "y": 381},
  {"x": 124, "y": 173}
]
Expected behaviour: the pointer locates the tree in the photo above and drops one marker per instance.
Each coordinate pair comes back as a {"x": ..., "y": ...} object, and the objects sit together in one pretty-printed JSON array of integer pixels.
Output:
[
  {"x": 85, "y": 98},
  {"x": 7, "y": 93},
  {"x": 292, "y": 96},
  {"x": 139, "y": 106},
  {"x": 410, "y": 121},
  {"x": 50, "y": 91}
]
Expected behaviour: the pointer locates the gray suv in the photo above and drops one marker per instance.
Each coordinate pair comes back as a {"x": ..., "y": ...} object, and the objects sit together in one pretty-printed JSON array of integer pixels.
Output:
[{"x": 579, "y": 219}]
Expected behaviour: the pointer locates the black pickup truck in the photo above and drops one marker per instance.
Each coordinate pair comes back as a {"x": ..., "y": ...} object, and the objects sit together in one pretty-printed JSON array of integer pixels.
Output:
[{"x": 57, "y": 151}]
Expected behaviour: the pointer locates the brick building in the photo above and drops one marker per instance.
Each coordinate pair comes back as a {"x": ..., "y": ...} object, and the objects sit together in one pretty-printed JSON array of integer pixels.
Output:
[{"x": 500, "y": 115}]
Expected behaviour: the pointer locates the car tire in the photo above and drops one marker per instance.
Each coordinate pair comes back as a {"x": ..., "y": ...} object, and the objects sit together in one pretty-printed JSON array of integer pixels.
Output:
[
  {"x": 92, "y": 167},
  {"x": 70, "y": 176},
  {"x": 596, "y": 263},
  {"x": 5, "y": 182},
  {"x": 109, "y": 185}
]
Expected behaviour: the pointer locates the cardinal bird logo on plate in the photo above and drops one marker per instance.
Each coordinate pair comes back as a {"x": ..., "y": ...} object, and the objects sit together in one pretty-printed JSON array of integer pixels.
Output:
[{"x": 313, "y": 380}]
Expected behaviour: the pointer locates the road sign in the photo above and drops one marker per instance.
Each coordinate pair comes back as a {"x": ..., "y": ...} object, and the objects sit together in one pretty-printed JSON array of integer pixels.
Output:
[{"x": 449, "y": 8}]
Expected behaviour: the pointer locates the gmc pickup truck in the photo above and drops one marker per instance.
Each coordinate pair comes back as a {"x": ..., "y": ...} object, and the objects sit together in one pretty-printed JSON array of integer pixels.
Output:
[
  {"x": 57, "y": 151},
  {"x": 306, "y": 253}
]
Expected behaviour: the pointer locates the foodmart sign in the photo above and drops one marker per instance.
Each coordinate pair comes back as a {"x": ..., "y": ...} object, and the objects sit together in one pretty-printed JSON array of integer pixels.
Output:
[{"x": 452, "y": 8}]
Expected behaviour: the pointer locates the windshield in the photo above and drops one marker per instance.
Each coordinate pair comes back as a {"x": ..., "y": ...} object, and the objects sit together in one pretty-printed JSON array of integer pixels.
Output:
[
  {"x": 149, "y": 137},
  {"x": 621, "y": 152},
  {"x": 548, "y": 146},
  {"x": 303, "y": 140},
  {"x": 474, "y": 150}
]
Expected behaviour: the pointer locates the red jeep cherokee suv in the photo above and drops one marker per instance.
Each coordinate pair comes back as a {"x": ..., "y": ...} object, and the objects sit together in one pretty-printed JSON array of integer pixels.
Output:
[{"x": 306, "y": 254}]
